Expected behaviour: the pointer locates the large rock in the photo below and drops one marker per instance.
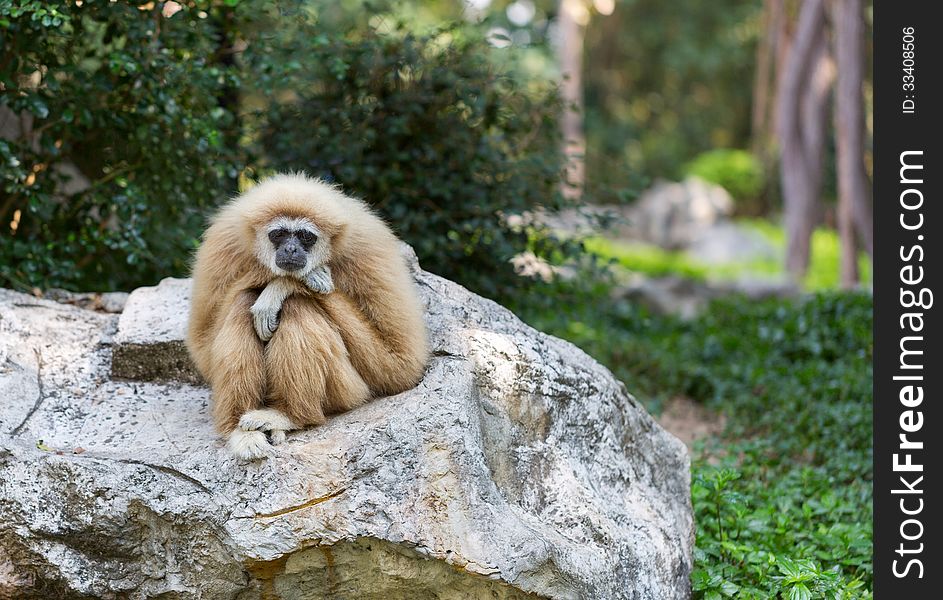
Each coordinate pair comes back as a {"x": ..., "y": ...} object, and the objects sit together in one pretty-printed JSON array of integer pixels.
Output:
[{"x": 518, "y": 468}]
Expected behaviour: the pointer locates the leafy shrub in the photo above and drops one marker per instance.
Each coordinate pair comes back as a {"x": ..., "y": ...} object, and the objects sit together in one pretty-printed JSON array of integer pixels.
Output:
[
  {"x": 143, "y": 106},
  {"x": 783, "y": 500},
  {"x": 427, "y": 131},
  {"x": 737, "y": 171},
  {"x": 136, "y": 103}
]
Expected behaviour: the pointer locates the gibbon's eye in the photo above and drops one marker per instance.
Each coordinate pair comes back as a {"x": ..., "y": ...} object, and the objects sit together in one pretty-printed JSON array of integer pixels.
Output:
[
  {"x": 277, "y": 236},
  {"x": 307, "y": 238}
]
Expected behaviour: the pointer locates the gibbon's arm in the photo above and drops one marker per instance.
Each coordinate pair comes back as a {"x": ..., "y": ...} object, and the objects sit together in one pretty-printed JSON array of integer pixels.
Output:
[{"x": 385, "y": 297}]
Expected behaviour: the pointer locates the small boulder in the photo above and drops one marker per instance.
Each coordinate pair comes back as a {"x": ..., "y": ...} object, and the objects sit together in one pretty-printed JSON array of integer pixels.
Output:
[
  {"x": 151, "y": 341},
  {"x": 672, "y": 215}
]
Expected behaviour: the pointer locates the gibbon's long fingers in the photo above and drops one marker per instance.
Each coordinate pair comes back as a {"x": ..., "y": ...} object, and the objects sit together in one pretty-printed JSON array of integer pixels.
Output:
[
  {"x": 320, "y": 280},
  {"x": 386, "y": 370},
  {"x": 308, "y": 370},
  {"x": 269, "y": 420},
  {"x": 238, "y": 371}
]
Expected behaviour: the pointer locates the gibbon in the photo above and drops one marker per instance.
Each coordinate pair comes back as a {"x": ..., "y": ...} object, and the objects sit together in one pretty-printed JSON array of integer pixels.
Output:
[{"x": 302, "y": 306}]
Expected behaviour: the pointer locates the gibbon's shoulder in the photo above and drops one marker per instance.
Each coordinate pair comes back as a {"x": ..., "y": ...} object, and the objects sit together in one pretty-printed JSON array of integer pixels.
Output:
[{"x": 297, "y": 195}]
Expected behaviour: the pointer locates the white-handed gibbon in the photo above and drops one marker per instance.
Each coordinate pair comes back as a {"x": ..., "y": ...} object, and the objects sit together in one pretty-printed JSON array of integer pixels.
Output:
[{"x": 302, "y": 306}]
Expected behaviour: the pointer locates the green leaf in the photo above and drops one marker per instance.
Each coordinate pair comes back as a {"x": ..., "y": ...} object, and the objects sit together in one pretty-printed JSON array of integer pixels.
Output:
[{"x": 799, "y": 592}]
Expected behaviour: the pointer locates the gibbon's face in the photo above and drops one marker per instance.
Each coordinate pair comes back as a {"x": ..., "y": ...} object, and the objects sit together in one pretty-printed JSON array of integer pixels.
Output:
[{"x": 292, "y": 246}]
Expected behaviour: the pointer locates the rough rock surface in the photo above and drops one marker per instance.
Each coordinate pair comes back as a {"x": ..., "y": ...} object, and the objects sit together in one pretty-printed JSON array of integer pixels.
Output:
[
  {"x": 518, "y": 468},
  {"x": 109, "y": 302}
]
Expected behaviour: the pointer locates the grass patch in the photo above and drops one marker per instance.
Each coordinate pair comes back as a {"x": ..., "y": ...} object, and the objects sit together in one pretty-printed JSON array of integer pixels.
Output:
[
  {"x": 655, "y": 262},
  {"x": 646, "y": 259},
  {"x": 825, "y": 258}
]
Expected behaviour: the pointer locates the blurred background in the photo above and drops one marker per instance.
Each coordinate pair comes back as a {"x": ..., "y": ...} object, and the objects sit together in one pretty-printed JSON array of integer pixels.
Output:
[{"x": 680, "y": 188}]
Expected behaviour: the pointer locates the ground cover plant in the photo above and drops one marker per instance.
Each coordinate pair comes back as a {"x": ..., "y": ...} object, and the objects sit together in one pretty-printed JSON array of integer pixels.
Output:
[{"x": 783, "y": 498}]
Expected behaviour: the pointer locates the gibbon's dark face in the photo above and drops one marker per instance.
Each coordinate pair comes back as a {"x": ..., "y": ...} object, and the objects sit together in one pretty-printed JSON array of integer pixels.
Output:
[{"x": 292, "y": 246}]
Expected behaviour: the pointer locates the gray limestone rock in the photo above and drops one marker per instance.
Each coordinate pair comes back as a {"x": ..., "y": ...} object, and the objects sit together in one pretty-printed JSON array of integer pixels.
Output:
[
  {"x": 672, "y": 215},
  {"x": 518, "y": 468},
  {"x": 688, "y": 298}
]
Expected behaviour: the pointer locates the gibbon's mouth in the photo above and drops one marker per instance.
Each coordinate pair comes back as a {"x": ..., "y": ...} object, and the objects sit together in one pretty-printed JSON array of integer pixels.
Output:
[{"x": 290, "y": 265}]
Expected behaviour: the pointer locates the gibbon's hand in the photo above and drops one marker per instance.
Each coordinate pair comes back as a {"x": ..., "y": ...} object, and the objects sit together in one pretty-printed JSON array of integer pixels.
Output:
[
  {"x": 320, "y": 280},
  {"x": 265, "y": 321},
  {"x": 267, "y": 307}
]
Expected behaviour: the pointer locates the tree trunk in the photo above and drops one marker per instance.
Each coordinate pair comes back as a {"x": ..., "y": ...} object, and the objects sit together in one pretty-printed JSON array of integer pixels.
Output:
[
  {"x": 762, "y": 84},
  {"x": 802, "y": 110},
  {"x": 854, "y": 203},
  {"x": 571, "y": 67},
  {"x": 764, "y": 88}
]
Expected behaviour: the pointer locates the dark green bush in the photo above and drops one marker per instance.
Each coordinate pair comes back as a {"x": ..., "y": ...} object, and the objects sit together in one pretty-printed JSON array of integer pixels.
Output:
[
  {"x": 426, "y": 130},
  {"x": 137, "y": 103},
  {"x": 665, "y": 81}
]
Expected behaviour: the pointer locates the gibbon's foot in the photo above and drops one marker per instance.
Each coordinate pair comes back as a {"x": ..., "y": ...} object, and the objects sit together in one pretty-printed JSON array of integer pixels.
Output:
[
  {"x": 320, "y": 280},
  {"x": 268, "y": 420},
  {"x": 249, "y": 445}
]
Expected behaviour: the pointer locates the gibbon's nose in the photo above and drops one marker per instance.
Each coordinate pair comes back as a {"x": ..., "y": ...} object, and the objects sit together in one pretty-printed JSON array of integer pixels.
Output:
[{"x": 290, "y": 257}]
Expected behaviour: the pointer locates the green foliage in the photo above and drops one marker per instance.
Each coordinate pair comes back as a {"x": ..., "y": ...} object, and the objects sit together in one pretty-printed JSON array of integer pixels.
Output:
[
  {"x": 737, "y": 171},
  {"x": 783, "y": 501},
  {"x": 426, "y": 128},
  {"x": 647, "y": 259},
  {"x": 131, "y": 99},
  {"x": 653, "y": 261},
  {"x": 429, "y": 132}
]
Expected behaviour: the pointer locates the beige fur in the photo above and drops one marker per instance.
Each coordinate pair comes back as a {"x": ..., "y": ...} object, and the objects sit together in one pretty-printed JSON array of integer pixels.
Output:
[{"x": 330, "y": 352}]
